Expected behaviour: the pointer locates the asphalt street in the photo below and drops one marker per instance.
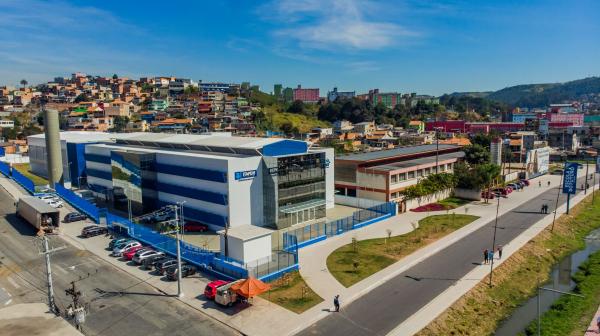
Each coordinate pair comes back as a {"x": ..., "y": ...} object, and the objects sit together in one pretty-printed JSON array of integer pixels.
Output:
[
  {"x": 119, "y": 304},
  {"x": 387, "y": 306}
]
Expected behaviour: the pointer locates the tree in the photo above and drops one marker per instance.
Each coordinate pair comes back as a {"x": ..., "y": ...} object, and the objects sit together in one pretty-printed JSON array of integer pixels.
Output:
[
  {"x": 81, "y": 98},
  {"x": 23, "y": 82},
  {"x": 120, "y": 123},
  {"x": 191, "y": 89},
  {"x": 115, "y": 77},
  {"x": 296, "y": 107},
  {"x": 476, "y": 154},
  {"x": 482, "y": 139}
]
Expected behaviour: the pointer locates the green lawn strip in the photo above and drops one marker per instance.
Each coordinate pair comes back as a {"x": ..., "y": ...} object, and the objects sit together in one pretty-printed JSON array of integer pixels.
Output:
[
  {"x": 292, "y": 292},
  {"x": 481, "y": 310},
  {"x": 571, "y": 315},
  {"x": 353, "y": 262},
  {"x": 23, "y": 168},
  {"x": 453, "y": 202}
]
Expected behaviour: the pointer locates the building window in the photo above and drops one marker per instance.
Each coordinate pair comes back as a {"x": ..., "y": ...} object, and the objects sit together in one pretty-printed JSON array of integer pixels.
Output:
[
  {"x": 351, "y": 192},
  {"x": 394, "y": 195},
  {"x": 426, "y": 171},
  {"x": 402, "y": 177},
  {"x": 419, "y": 173},
  {"x": 449, "y": 166},
  {"x": 411, "y": 174},
  {"x": 394, "y": 178},
  {"x": 443, "y": 168}
]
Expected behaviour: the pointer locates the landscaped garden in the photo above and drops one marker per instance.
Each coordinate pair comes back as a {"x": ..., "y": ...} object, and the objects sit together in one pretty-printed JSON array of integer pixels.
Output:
[
  {"x": 358, "y": 260},
  {"x": 292, "y": 292},
  {"x": 445, "y": 204},
  {"x": 24, "y": 169}
]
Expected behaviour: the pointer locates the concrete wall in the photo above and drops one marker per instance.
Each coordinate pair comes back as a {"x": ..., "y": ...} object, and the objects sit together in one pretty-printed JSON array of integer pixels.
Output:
[
  {"x": 428, "y": 199},
  {"x": 355, "y": 201},
  {"x": 245, "y": 196},
  {"x": 468, "y": 194}
]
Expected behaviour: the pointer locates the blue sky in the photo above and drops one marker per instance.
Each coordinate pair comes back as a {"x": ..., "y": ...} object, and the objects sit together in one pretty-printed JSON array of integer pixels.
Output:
[{"x": 422, "y": 46}]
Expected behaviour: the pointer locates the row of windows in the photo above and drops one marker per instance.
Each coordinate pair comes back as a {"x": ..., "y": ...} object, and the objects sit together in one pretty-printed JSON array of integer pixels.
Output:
[{"x": 418, "y": 173}]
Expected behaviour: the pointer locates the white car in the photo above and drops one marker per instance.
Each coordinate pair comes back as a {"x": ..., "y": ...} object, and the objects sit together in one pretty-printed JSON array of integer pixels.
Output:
[
  {"x": 118, "y": 250},
  {"x": 55, "y": 204},
  {"x": 49, "y": 198},
  {"x": 138, "y": 258}
]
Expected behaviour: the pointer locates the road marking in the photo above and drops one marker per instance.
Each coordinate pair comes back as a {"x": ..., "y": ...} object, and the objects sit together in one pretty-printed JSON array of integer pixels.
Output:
[
  {"x": 13, "y": 283},
  {"x": 8, "y": 302}
]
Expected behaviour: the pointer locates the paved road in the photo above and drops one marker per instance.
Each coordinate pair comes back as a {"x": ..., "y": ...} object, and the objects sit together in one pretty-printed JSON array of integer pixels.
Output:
[
  {"x": 140, "y": 310},
  {"x": 388, "y": 305}
]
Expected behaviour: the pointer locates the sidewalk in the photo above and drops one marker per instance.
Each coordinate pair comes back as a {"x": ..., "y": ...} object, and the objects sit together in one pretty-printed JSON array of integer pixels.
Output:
[
  {"x": 313, "y": 258},
  {"x": 33, "y": 319},
  {"x": 593, "y": 328}
]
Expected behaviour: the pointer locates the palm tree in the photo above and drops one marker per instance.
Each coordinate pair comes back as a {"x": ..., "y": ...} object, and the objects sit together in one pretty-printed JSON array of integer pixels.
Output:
[{"x": 24, "y": 82}]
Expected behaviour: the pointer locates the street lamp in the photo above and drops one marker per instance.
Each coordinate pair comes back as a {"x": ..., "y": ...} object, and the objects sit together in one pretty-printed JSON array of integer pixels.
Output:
[
  {"x": 494, "y": 239},
  {"x": 539, "y": 291}
]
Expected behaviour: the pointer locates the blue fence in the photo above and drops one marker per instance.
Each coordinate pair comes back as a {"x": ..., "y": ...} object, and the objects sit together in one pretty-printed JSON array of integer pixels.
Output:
[
  {"x": 78, "y": 202},
  {"x": 5, "y": 169},
  {"x": 163, "y": 242},
  {"x": 23, "y": 181},
  {"x": 314, "y": 233}
]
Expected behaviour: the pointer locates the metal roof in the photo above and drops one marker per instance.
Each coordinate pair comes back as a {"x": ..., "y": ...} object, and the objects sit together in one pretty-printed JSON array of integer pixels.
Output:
[
  {"x": 389, "y": 153},
  {"x": 417, "y": 162}
]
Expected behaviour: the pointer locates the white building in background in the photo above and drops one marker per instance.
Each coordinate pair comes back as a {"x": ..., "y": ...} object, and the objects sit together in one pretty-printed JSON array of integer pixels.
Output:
[{"x": 496, "y": 151}]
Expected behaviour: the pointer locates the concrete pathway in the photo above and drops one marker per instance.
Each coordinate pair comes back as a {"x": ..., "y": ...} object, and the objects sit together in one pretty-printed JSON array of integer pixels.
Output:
[
  {"x": 33, "y": 319},
  {"x": 593, "y": 328}
]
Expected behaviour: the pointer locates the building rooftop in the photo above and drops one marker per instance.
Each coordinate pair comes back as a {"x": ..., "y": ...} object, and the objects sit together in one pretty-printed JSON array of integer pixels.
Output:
[
  {"x": 417, "y": 162},
  {"x": 400, "y": 151},
  {"x": 246, "y": 232}
]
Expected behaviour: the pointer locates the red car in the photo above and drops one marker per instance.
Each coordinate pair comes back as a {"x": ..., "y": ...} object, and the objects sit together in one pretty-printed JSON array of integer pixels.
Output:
[
  {"x": 195, "y": 227},
  {"x": 487, "y": 195},
  {"x": 129, "y": 253},
  {"x": 501, "y": 191},
  {"x": 211, "y": 289}
]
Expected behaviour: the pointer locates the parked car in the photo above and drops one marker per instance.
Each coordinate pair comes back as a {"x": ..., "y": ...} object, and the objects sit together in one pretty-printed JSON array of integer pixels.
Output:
[
  {"x": 211, "y": 288},
  {"x": 118, "y": 241},
  {"x": 225, "y": 296},
  {"x": 526, "y": 182},
  {"x": 195, "y": 227},
  {"x": 48, "y": 198},
  {"x": 55, "y": 204},
  {"x": 94, "y": 230},
  {"x": 130, "y": 252},
  {"x": 186, "y": 270},
  {"x": 150, "y": 262},
  {"x": 162, "y": 265},
  {"x": 501, "y": 191},
  {"x": 514, "y": 186},
  {"x": 163, "y": 216},
  {"x": 487, "y": 195},
  {"x": 139, "y": 257},
  {"x": 73, "y": 217},
  {"x": 557, "y": 172},
  {"x": 119, "y": 249}
]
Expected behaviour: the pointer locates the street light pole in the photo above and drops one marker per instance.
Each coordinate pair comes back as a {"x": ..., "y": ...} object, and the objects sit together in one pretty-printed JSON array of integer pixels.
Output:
[
  {"x": 587, "y": 168},
  {"x": 494, "y": 241},
  {"x": 179, "y": 290},
  {"x": 539, "y": 324},
  {"x": 437, "y": 149}
]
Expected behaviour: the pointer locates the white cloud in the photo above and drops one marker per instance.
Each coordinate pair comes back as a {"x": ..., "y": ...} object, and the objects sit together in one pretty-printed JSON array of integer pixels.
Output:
[{"x": 335, "y": 25}]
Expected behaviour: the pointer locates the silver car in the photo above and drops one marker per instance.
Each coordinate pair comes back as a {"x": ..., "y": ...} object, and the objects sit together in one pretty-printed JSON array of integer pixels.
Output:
[
  {"x": 118, "y": 250},
  {"x": 139, "y": 258}
]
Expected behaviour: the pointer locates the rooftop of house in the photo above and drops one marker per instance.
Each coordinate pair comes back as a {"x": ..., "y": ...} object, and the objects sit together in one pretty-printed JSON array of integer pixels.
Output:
[
  {"x": 400, "y": 151},
  {"x": 417, "y": 162}
]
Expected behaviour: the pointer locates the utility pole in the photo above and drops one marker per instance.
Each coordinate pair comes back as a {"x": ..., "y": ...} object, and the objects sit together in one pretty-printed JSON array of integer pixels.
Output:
[
  {"x": 437, "y": 149},
  {"x": 46, "y": 252},
  {"x": 76, "y": 310},
  {"x": 177, "y": 236},
  {"x": 557, "y": 196},
  {"x": 494, "y": 241},
  {"x": 587, "y": 168}
]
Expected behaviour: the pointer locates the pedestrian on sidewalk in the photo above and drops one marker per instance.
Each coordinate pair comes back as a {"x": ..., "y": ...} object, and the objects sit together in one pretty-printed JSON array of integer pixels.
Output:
[
  {"x": 540, "y": 183},
  {"x": 491, "y": 254},
  {"x": 548, "y": 183},
  {"x": 485, "y": 256},
  {"x": 499, "y": 252},
  {"x": 598, "y": 324},
  {"x": 336, "y": 302}
]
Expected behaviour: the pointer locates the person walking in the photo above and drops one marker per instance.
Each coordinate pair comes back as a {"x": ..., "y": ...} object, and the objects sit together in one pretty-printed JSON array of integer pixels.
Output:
[
  {"x": 499, "y": 252},
  {"x": 336, "y": 302},
  {"x": 540, "y": 183},
  {"x": 491, "y": 255},
  {"x": 548, "y": 183},
  {"x": 485, "y": 256}
]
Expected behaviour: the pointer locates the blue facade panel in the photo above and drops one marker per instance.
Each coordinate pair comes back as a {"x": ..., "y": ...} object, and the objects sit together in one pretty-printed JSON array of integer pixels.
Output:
[
  {"x": 99, "y": 174},
  {"x": 76, "y": 155},
  {"x": 202, "y": 195},
  {"x": 97, "y": 158},
  {"x": 285, "y": 147},
  {"x": 197, "y": 173},
  {"x": 200, "y": 216}
]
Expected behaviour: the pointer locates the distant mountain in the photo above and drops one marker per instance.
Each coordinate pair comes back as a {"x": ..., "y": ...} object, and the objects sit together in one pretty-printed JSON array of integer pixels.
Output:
[{"x": 539, "y": 95}]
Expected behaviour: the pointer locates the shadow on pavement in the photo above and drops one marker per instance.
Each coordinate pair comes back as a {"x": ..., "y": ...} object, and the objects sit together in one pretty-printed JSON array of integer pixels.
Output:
[{"x": 20, "y": 225}]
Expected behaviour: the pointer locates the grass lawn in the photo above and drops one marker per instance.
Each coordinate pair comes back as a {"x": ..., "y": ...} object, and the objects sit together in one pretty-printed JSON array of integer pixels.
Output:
[
  {"x": 453, "y": 202},
  {"x": 480, "y": 311},
  {"x": 373, "y": 255},
  {"x": 292, "y": 293},
  {"x": 23, "y": 168}
]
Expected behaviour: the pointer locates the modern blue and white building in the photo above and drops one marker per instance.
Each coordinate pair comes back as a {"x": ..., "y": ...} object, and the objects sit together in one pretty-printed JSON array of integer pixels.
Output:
[{"x": 225, "y": 181}]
